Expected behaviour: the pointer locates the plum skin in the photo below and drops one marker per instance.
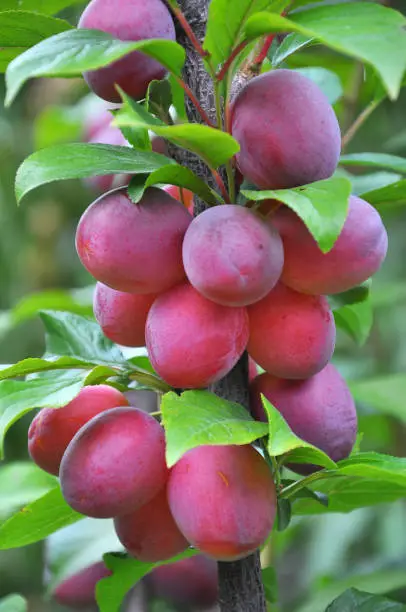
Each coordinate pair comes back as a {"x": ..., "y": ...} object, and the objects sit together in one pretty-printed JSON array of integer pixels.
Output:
[
  {"x": 150, "y": 533},
  {"x": 292, "y": 335},
  {"x": 189, "y": 582},
  {"x": 135, "y": 248},
  {"x": 223, "y": 499},
  {"x": 122, "y": 316},
  {"x": 127, "y": 20},
  {"x": 287, "y": 130},
  {"x": 52, "y": 429},
  {"x": 114, "y": 464},
  {"x": 191, "y": 341},
  {"x": 231, "y": 257},
  {"x": 356, "y": 255},
  {"x": 78, "y": 591},
  {"x": 319, "y": 410}
]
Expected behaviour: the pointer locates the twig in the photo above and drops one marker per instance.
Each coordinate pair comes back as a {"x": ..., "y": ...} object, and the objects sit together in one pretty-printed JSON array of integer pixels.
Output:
[
  {"x": 353, "y": 129},
  {"x": 234, "y": 53},
  {"x": 195, "y": 102},
  {"x": 187, "y": 29},
  {"x": 221, "y": 186}
]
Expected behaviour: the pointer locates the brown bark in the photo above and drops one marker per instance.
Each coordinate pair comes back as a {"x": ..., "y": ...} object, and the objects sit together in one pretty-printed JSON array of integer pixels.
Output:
[{"x": 241, "y": 588}]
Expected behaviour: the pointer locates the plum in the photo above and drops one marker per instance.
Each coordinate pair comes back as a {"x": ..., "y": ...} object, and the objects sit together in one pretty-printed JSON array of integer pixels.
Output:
[
  {"x": 231, "y": 257},
  {"x": 287, "y": 130},
  {"x": 78, "y": 591}
]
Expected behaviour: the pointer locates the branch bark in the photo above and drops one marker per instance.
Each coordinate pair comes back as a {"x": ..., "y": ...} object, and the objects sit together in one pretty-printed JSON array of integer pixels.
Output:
[{"x": 241, "y": 588}]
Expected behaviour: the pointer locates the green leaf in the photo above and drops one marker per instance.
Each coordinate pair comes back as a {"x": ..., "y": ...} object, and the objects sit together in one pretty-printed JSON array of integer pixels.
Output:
[
  {"x": 383, "y": 393},
  {"x": 284, "y": 513},
  {"x": 290, "y": 44},
  {"x": 20, "y": 30},
  {"x": 384, "y": 581},
  {"x": 19, "y": 397},
  {"x": 13, "y": 603},
  {"x": 366, "y": 31},
  {"x": 71, "y": 161},
  {"x": 173, "y": 175},
  {"x": 71, "y": 53},
  {"x": 70, "y": 335},
  {"x": 282, "y": 441},
  {"x": 78, "y": 546},
  {"x": 322, "y": 206},
  {"x": 198, "y": 418},
  {"x": 159, "y": 99},
  {"x": 111, "y": 591},
  {"x": 375, "y": 466},
  {"x": 35, "y": 364},
  {"x": 213, "y": 146},
  {"x": 21, "y": 483},
  {"x": 270, "y": 582},
  {"x": 327, "y": 81},
  {"x": 358, "y": 294},
  {"x": 46, "y": 7},
  {"x": 37, "y": 521},
  {"x": 375, "y": 160},
  {"x": 356, "y": 320},
  {"x": 225, "y": 27},
  {"x": 391, "y": 195},
  {"x": 358, "y": 601}
]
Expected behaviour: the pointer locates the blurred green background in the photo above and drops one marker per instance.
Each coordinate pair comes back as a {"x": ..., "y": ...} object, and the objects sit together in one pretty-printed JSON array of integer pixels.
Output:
[{"x": 317, "y": 557}]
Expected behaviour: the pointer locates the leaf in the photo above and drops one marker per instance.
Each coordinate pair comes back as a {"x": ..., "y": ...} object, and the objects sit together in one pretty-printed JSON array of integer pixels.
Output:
[
  {"x": 282, "y": 441},
  {"x": 385, "y": 394},
  {"x": 225, "y": 27},
  {"x": 159, "y": 99},
  {"x": 172, "y": 175},
  {"x": 358, "y": 601},
  {"x": 35, "y": 364},
  {"x": 270, "y": 582},
  {"x": 69, "y": 161},
  {"x": 384, "y": 581},
  {"x": 322, "y": 206},
  {"x": 366, "y": 31},
  {"x": 72, "y": 53},
  {"x": 326, "y": 80},
  {"x": 375, "y": 160},
  {"x": 13, "y": 603},
  {"x": 74, "y": 336},
  {"x": 46, "y": 7},
  {"x": 356, "y": 320},
  {"x": 198, "y": 418},
  {"x": 213, "y": 146},
  {"x": 19, "y": 397},
  {"x": 20, "y": 30},
  {"x": 358, "y": 294},
  {"x": 111, "y": 591},
  {"x": 21, "y": 483},
  {"x": 73, "y": 548},
  {"x": 284, "y": 513},
  {"x": 375, "y": 466},
  {"x": 37, "y": 521},
  {"x": 393, "y": 195},
  {"x": 290, "y": 44}
]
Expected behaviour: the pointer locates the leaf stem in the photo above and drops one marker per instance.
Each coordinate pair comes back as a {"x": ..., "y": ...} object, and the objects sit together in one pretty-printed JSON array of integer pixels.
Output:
[
  {"x": 195, "y": 101},
  {"x": 234, "y": 53},
  {"x": 259, "y": 60},
  {"x": 221, "y": 186},
  {"x": 187, "y": 29},
  {"x": 353, "y": 129},
  {"x": 292, "y": 489}
]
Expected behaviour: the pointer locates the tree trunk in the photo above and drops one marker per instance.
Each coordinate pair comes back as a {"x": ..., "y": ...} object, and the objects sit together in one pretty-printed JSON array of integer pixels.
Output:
[{"x": 241, "y": 588}]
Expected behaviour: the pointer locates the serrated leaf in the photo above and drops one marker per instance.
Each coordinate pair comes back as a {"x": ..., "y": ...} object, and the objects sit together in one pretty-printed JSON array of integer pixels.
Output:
[
  {"x": 375, "y": 160},
  {"x": 72, "y": 53},
  {"x": 37, "y": 521},
  {"x": 359, "y": 601},
  {"x": 13, "y": 603},
  {"x": 70, "y": 335},
  {"x": 46, "y": 7},
  {"x": 198, "y": 418},
  {"x": 322, "y": 206},
  {"x": 111, "y": 591},
  {"x": 282, "y": 441},
  {"x": 213, "y": 146},
  {"x": 173, "y": 175},
  {"x": 383, "y": 393},
  {"x": 388, "y": 196},
  {"x": 225, "y": 27},
  {"x": 20, "y": 30},
  {"x": 356, "y": 320},
  {"x": 19, "y": 397},
  {"x": 21, "y": 483},
  {"x": 69, "y": 161},
  {"x": 366, "y": 31}
]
